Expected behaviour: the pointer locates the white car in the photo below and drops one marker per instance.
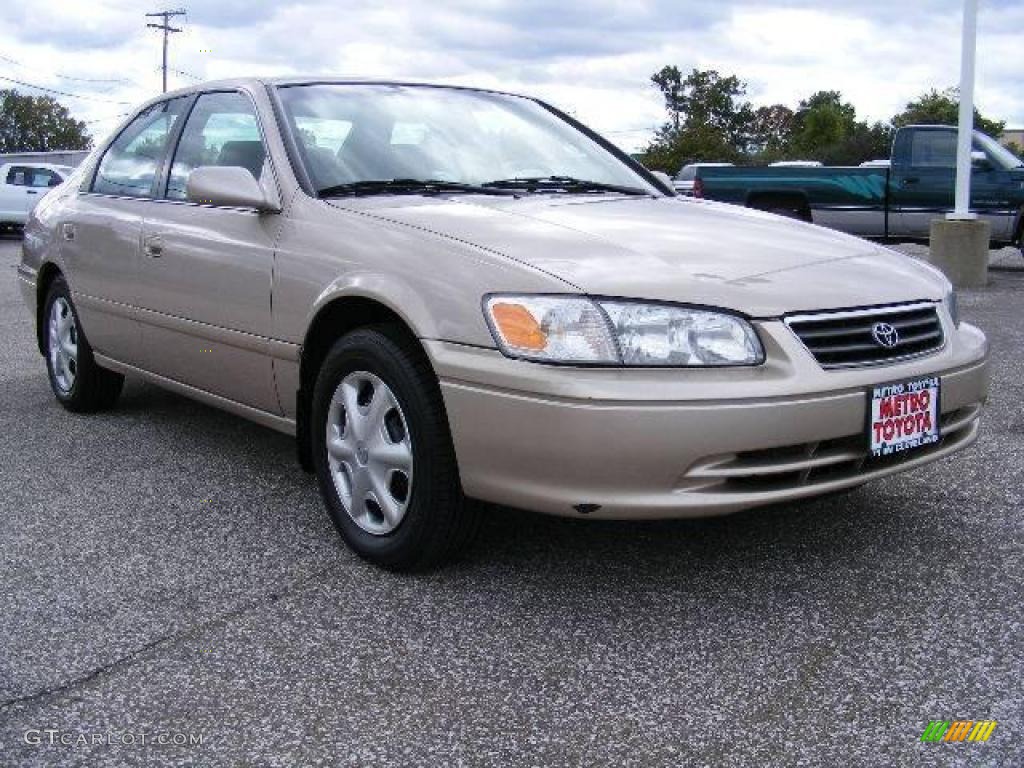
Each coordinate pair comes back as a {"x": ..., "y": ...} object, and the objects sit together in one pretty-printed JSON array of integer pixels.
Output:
[
  {"x": 684, "y": 180},
  {"x": 22, "y": 185},
  {"x": 795, "y": 164}
]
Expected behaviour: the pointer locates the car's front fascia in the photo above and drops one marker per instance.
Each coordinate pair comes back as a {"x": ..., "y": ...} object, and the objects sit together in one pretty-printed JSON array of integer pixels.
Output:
[{"x": 621, "y": 442}]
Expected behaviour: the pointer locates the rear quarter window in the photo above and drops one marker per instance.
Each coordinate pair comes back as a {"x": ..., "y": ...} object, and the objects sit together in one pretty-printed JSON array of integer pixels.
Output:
[{"x": 129, "y": 165}]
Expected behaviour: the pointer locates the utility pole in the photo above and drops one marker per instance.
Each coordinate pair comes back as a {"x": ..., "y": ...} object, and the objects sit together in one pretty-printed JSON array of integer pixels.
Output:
[{"x": 167, "y": 29}]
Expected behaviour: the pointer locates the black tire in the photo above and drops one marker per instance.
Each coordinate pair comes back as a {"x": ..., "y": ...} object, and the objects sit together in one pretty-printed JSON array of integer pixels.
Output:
[
  {"x": 94, "y": 388},
  {"x": 790, "y": 213},
  {"x": 439, "y": 521}
]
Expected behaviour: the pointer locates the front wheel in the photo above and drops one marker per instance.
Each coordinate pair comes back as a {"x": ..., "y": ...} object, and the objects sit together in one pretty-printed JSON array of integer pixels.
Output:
[
  {"x": 78, "y": 383},
  {"x": 383, "y": 452}
]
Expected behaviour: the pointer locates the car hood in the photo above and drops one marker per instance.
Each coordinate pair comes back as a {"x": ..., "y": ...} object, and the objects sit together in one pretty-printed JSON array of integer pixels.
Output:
[{"x": 670, "y": 249}]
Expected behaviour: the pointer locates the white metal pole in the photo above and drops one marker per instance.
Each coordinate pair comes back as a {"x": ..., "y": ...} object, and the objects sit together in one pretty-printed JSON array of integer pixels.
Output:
[{"x": 966, "y": 126}]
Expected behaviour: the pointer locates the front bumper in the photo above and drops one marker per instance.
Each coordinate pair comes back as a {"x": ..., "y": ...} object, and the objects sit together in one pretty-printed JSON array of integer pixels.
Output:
[{"x": 643, "y": 443}]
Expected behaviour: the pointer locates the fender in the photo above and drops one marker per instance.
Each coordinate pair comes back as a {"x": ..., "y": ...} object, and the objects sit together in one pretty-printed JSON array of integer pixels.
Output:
[{"x": 395, "y": 294}]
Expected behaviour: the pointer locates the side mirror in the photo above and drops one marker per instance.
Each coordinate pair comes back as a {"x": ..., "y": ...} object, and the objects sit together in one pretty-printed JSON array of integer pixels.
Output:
[
  {"x": 665, "y": 180},
  {"x": 229, "y": 186},
  {"x": 979, "y": 160}
]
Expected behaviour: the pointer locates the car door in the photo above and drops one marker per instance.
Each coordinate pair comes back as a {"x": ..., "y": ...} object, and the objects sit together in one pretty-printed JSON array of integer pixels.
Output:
[
  {"x": 101, "y": 230},
  {"x": 924, "y": 186},
  {"x": 922, "y": 181},
  {"x": 206, "y": 271},
  {"x": 10, "y": 197},
  {"x": 22, "y": 187}
]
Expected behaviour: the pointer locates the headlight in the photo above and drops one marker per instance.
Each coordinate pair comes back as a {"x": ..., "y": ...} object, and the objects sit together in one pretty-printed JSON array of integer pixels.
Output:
[
  {"x": 953, "y": 307},
  {"x": 570, "y": 329},
  {"x": 661, "y": 334}
]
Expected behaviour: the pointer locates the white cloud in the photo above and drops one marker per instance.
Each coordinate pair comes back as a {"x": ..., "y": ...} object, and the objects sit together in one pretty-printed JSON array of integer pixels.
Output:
[{"x": 592, "y": 58}]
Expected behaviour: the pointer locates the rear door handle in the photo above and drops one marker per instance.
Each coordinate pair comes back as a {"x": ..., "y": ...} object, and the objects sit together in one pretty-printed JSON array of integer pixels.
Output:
[
  {"x": 31, "y": 191},
  {"x": 910, "y": 180},
  {"x": 153, "y": 246}
]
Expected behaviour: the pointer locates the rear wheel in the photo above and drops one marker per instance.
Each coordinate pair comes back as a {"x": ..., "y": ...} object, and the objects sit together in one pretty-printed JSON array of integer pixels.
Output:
[
  {"x": 383, "y": 452},
  {"x": 790, "y": 207},
  {"x": 78, "y": 383}
]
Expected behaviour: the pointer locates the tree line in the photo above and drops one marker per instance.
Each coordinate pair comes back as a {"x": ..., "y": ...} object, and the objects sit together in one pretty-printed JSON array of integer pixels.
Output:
[
  {"x": 709, "y": 120},
  {"x": 38, "y": 124}
]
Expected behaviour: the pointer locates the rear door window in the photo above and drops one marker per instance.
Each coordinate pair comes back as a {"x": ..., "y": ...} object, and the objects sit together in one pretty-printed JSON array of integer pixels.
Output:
[{"x": 129, "y": 166}]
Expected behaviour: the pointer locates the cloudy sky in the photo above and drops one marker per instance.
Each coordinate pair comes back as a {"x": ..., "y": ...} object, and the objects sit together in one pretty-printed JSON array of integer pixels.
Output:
[{"x": 592, "y": 58}]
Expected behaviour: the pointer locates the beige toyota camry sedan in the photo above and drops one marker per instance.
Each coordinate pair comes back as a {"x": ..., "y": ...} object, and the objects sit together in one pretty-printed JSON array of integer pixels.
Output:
[{"x": 449, "y": 294}]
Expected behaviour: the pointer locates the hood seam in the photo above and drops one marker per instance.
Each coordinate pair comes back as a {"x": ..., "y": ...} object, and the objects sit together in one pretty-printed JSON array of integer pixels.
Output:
[{"x": 454, "y": 239}]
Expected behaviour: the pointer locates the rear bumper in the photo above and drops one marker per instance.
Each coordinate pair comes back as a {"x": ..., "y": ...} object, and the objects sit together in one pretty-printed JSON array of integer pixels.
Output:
[{"x": 672, "y": 443}]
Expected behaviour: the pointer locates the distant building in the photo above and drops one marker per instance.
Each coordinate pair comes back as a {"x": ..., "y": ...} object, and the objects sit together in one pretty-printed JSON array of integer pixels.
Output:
[{"x": 70, "y": 157}]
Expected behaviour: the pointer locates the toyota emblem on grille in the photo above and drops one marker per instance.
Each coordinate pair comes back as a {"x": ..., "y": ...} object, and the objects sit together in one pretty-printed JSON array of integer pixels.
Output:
[{"x": 885, "y": 335}]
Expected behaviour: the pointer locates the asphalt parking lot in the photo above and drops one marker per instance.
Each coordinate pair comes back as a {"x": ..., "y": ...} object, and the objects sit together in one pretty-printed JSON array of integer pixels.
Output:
[{"x": 168, "y": 569}]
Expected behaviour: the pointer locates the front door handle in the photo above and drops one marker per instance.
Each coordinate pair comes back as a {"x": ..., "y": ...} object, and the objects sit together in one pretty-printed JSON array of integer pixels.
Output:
[
  {"x": 31, "y": 191},
  {"x": 153, "y": 246},
  {"x": 910, "y": 180}
]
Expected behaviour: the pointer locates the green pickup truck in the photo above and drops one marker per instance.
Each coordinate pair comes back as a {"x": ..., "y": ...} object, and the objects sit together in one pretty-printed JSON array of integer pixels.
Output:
[{"x": 898, "y": 201}]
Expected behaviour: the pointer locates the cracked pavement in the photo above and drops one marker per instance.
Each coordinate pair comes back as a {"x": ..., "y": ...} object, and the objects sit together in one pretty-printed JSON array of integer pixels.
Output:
[{"x": 167, "y": 568}]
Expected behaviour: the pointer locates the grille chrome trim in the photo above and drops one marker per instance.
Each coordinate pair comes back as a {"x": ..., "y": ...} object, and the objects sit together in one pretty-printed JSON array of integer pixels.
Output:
[{"x": 843, "y": 338}]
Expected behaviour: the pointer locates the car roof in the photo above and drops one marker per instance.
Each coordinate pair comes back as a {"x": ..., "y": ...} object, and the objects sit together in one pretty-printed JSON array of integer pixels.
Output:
[
  {"x": 284, "y": 81},
  {"x": 33, "y": 164}
]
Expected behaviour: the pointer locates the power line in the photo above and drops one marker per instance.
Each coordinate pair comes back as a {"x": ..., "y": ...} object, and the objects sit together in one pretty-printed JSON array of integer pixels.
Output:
[
  {"x": 167, "y": 29},
  {"x": 124, "y": 80},
  {"x": 183, "y": 73},
  {"x": 104, "y": 119},
  {"x": 63, "y": 93}
]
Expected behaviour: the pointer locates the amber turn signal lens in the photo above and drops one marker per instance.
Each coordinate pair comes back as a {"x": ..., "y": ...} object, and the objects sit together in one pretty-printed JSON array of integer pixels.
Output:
[{"x": 518, "y": 326}]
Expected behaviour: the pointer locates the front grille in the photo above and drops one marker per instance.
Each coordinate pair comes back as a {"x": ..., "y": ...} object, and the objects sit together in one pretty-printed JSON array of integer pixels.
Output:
[{"x": 846, "y": 338}]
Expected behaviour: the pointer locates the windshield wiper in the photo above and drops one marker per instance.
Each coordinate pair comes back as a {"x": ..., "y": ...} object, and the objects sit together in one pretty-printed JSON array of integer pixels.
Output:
[
  {"x": 562, "y": 183},
  {"x": 406, "y": 187}
]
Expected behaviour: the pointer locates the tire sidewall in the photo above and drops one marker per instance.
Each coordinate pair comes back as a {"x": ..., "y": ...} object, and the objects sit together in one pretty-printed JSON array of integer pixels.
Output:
[{"x": 372, "y": 351}]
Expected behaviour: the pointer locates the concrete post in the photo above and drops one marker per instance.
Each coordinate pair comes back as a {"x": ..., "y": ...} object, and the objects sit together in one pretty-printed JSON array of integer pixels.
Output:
[{"x": 959, "y": 247}]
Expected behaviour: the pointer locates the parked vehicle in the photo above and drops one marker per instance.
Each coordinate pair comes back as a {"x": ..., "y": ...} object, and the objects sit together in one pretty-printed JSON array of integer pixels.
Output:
[
  {"x": 450, "y": 294},
  {"x": 683, "y": 182},
  {"x": 796, "y": 164},
  {"x": 898, "y": 199},
  {"x": 881, "y": 163},
  {"x": 22, "y": 185}
]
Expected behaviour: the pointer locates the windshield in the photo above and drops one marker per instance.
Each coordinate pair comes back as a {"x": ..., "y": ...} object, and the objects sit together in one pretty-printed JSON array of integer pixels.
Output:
[
  {"x": 996, "y": 151},
  {"x": 352, "y": 133}
]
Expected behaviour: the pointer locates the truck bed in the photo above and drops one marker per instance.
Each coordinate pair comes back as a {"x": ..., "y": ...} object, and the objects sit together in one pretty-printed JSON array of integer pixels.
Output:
[{"x": 853, "y": 199}]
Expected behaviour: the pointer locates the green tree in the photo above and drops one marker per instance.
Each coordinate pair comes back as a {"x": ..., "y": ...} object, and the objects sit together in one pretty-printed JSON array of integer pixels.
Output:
[
  {"x": 826, "y": 128},
  {"x": 821, "y": 125},
  {"x": 867, "y": 142},
  {"x": 38, "y": 124},
  {"x": 770, "y": 132},
  {"x": 943, "y": 108},
  {"x": 707, "y": 119}
]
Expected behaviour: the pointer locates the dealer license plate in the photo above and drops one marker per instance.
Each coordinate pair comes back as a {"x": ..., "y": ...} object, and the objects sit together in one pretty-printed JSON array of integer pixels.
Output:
[{"x": 903, "y": 416}]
